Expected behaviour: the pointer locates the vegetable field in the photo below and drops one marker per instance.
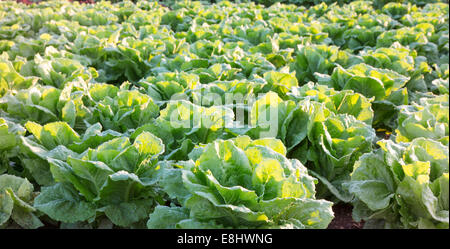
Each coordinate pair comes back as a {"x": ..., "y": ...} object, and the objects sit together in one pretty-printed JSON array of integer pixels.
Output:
[{"x": 187, "y": 114}]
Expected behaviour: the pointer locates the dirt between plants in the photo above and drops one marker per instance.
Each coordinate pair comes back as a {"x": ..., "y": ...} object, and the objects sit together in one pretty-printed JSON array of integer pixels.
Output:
[{"x": 343, "y": 218}]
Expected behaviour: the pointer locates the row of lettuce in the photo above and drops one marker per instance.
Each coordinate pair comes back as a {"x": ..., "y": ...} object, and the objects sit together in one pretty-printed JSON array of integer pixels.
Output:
[{"x": 109, "y": 115}]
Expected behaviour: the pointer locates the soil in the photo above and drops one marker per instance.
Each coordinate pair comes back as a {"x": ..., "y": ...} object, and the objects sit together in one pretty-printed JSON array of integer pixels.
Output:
[{"x": 343, "y": 218}]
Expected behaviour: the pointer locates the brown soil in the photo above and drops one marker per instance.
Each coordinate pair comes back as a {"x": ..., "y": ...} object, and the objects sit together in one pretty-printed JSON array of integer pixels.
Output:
[{"x": 343, "y": 218}]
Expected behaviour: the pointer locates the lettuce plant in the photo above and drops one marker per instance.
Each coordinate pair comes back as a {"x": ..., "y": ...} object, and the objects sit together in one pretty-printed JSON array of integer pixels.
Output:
[
  {"x": 16, "y": 202},
  {"x": 321, "y": 59},
  {"x": 9, "y": 135},
  {"x": 241, "y": 183},
  {"x": 385, "y": 86},
  {"x": 337, "y": 143},
  {"x": 402, "y": 185},
  {"x": 428, "y": 120},
  {"x": 105, "y": 180},
  {"x": 339, "y": 102}
]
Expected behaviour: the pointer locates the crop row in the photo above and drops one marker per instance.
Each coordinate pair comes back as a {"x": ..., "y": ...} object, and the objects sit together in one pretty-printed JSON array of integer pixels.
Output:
[{"x": 231, "y": 115}]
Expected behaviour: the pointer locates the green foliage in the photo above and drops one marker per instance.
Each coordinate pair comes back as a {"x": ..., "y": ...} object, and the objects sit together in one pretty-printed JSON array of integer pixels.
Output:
[
  {"x": 223, "y": 114},
  {"x": 402, "y": 185},
  {"x": 242, "y": 183}
]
